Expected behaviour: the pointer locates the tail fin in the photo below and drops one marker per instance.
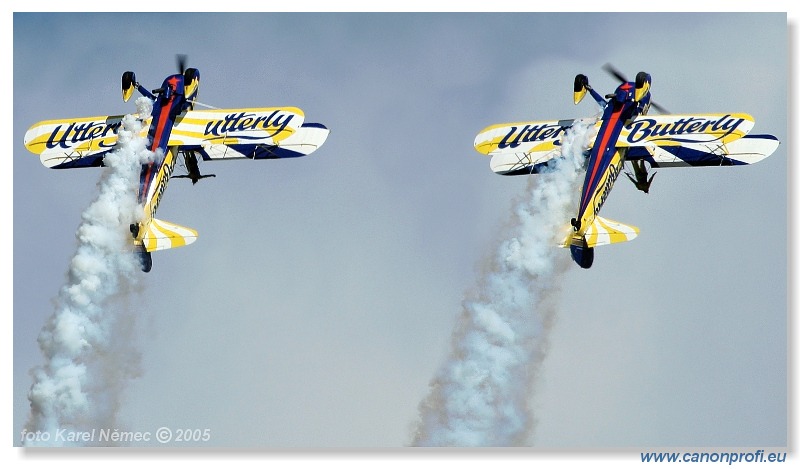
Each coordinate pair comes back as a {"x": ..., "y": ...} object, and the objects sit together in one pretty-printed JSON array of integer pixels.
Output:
[{"x": 162, "y": 234}]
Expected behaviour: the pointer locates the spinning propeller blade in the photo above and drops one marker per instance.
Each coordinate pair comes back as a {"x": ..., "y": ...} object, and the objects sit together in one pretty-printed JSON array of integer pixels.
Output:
[
  {"x": 619, "y": 76},
  {"x": 658, "y": 108},
  {"x": 615, "y": 73},
  {"x": 181, "y": 58}
]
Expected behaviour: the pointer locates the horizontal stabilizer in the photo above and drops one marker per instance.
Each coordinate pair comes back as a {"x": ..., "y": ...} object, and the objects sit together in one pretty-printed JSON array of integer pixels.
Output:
[
  {"x": 603, "y": 231},
  {"x": 162, "y": 234}
]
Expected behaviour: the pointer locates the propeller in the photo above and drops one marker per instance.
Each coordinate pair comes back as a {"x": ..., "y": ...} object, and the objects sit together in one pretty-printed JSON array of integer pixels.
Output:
[
  {"x": 658, "y": 108},
  {"x": 181, "y": 58},
  {"x": 619, "y": 76},
  {"x": 615, "y": 73}
]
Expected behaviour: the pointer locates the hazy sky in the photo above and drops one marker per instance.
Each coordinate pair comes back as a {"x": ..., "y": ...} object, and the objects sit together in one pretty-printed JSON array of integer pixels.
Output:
[{"x": 320, "y": 297}]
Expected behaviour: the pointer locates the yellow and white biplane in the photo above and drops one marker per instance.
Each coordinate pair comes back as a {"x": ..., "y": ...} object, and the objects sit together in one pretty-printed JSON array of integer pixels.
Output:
[
  {"x": 624, "y": 133},
  {"x": 175, "y": 130}
]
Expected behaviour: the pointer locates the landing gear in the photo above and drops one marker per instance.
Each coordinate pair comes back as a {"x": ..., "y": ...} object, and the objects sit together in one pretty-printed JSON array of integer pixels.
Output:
[
  {"x": 642, "y": 89},
  {"x": 128, "y": 85},
  {"x": 576, "y": 225},
  {"x": 189, "y": 75},
  {"x": 641, "y": 79},
  {"x": 639, "y": 177},
  {"x": 581, "y": 82},
  {"x": 580, "y": 88},
  {"x": 191, "y": 80}
]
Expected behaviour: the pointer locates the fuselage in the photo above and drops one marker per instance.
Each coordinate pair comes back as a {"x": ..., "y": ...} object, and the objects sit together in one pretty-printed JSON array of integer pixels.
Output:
[
  {"x": 604, "y": 165},
  {"x": 605, "y": 161},
  {"x": 169, "y": 102}
]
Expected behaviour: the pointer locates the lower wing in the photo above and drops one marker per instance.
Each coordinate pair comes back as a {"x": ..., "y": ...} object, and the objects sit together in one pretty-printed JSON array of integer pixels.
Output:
[
  {"x": 302, "y": 142},
  {"x": 516, "y": 164},
  {"x": 746, "y": 150}
]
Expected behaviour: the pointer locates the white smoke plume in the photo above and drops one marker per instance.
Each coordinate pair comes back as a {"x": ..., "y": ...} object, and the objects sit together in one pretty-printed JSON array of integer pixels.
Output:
[
  {"x": 87, "y": 342},
  {"x": 480, "y": 396}
]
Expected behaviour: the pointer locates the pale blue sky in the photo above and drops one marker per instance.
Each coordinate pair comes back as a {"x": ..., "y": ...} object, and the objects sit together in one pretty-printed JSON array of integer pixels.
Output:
[{"x": 320, "y": 297}]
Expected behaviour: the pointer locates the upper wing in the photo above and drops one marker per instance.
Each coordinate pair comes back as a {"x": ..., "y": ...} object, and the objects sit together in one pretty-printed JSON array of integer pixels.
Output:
[
  {"x": 84, "y": 142},
  {"x": 521, "y": 137},
  {"x": 695, "y": 140},
  {"x": 74, "y": 143},
  {"x": 265, "y": 126},
  {"x": 522, "y": 147},
  {"x": 746, "y": 150},
  {"x": 675, "y": 130},
  {"x": 663, "y": 140},
  {"x": 302, "y": 142}
]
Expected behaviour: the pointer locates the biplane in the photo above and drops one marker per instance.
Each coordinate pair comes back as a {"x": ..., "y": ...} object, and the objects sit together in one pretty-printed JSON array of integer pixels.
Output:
[
  {"x": 625, "y": 133},
  {"x": 175, "y": 130}
]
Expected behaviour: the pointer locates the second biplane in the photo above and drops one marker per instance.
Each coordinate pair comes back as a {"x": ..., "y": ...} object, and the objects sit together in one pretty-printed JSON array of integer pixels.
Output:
[{"x": 624, "y": 133}]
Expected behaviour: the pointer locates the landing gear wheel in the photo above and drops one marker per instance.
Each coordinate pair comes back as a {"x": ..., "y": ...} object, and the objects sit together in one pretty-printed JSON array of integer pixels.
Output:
[
  {"x": 580, "y": 88},
  {"x": 581, "y": 82},
  {"x": 189, "y": 75},
  {"x": 190, "y": 78},
  {"x": 128, "y": 80},
  {"x": 641, "y": 79}
]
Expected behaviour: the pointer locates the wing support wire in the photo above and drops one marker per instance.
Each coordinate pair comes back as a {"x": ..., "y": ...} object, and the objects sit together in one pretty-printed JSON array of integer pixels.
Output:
[
  {"x": 207, "y": 106},
  {"x": 525, "y": 160},
  {"x": 719, "y": 149}
]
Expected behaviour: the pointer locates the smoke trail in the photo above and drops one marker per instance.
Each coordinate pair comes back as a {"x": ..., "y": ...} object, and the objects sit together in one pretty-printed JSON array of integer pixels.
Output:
[
  {"x": 480, "y": 395},
  {"x": 87, "y": 341}
]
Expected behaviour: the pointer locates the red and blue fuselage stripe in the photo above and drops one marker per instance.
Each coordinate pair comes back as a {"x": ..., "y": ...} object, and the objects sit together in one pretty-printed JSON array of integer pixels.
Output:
[
  {"x": 614, "y": 118},
  {"x": 168, "y": 105}
]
